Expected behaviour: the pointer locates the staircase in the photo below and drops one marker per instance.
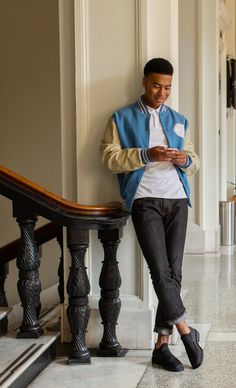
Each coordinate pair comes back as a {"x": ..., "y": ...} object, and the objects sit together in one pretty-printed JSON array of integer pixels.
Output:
[
  {"x": 28, "y": 344},
  {"x": 23, "y": 359}
]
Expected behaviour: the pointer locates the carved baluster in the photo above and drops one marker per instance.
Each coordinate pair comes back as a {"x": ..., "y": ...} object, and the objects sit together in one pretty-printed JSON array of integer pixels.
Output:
[
  {"x": 60, "y": 271},
  {"x": 4, "y": 270},
  {"x": 109, "y": 304},
  {"x": 39, "y": 306},
  {"x": 3, "y": 300},
  {"x": 28, "y": 285},
  {"x": 78, "y": 288}
]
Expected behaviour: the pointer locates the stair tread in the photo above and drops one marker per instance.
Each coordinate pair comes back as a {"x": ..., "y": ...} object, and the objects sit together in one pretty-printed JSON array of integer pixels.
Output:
[
  {"x": 48, "y": 314},
  {"x": 16, "y": 355},
  {"x": 4, "y": 311}
]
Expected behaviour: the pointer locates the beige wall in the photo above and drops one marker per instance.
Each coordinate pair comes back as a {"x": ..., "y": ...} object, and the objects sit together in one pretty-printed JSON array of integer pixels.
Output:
[
  {"x": 188, "y": 85},
  {"x": 230, "y": 32},
  {"x": 30, "y": 138}
]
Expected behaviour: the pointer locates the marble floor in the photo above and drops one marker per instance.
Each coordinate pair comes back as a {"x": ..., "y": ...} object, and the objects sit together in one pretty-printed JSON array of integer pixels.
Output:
[{"x": 211, "y": 305}]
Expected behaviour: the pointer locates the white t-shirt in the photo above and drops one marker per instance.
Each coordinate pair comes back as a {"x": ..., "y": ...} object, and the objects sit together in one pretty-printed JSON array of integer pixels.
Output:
[{"x": 160, "y": 179}]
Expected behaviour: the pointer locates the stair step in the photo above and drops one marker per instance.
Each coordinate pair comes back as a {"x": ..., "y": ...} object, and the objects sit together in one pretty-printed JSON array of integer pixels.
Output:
[
  {"x": 23, "y": 359},
  {"x": 4, "y": 311},
  {"x": 46, "y": 316}
]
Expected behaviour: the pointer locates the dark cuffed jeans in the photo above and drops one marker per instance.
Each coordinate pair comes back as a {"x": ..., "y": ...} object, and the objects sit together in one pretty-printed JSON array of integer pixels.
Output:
[{"x": 160, "y": 225}]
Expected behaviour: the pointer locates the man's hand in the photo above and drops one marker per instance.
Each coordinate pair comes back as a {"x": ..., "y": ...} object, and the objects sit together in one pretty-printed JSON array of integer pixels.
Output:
[
  {"x": 179, "y": 158},
  {"x": 163, "y": 154}
]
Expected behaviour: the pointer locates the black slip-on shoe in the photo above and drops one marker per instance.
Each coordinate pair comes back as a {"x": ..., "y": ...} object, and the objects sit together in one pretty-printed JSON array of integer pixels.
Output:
[
  {"x": 193, "y": 349},
  {"x": 163, "y": 357}
]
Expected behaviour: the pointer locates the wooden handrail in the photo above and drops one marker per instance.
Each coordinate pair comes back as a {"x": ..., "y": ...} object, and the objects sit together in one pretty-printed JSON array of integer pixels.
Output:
[
  {"x": 42, "y": 235},
  {"x": 64, "y": 204}
]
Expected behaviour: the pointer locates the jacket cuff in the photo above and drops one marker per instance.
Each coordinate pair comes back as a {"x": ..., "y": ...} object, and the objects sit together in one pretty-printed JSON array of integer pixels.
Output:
[
  {"x": 145, "y": 156},
  {"x": 187, "y": 164}
]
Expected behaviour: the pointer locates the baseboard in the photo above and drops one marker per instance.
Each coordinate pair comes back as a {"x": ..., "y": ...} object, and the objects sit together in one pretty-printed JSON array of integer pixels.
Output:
[
  {"x": 134, "y": 329},
  {"x": 195, "y": 240},
  {"x": 213, "y": 240},
  {"x": 199, "y": 241}
]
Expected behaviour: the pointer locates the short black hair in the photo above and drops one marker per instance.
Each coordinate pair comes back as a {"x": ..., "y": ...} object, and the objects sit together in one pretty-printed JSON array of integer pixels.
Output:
[{"x": 158, "y": 65}]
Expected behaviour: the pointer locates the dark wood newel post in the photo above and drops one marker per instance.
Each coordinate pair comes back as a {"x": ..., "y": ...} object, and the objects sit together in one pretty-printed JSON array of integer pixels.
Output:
[
  {"x": 28, "y": 285},
  {"x": 60, "y": 271},
  {"x": 4, "y": 270},
  {"x": 78, "y": 288},
  {"x": 109, "y": 303}
]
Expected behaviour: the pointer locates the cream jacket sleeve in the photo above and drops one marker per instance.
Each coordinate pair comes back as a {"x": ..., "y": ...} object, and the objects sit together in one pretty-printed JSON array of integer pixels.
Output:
[
  {"x": 118, "y": 160},
  {"x": 188, "y": 148}
]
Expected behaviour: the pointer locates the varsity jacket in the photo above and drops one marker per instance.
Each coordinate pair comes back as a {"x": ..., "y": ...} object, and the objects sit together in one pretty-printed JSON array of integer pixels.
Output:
[{"x": 126, "y": 140}]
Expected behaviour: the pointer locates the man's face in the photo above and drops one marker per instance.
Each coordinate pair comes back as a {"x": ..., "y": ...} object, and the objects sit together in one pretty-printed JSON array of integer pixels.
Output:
[{"x": 157, "y": 89}]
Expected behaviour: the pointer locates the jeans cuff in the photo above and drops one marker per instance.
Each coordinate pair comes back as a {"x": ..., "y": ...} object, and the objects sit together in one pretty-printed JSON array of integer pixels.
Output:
[
  {"x": 163, "y": 330},
  {"x": 178, "y": 320}
]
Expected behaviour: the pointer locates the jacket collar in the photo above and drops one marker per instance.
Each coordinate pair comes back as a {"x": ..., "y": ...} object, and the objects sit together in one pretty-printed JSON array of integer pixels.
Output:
[{"x": 143, "y": 106}]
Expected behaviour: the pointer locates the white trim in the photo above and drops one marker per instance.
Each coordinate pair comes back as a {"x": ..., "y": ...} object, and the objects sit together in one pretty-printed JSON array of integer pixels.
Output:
[
  {"x": 213, "y": 240},
  {"x": 128, "y": 302},
  {"x": 208, "y": 119},
  {"x": 200, "y": 103},
  {"x": 142, "y": 280},
  {"x": 82, "y": 83},
  {"x": 67, "y": 99},
  {"x": 142, "y": 43},
  {"x": 195, "y": 239},
  {"x": 82, "y": 95},
  {"x": 134, "y": 329},
  {"x": 174, "y": 51},
  {"x": 199, "y": 241},
  {"x": 223, "y": 128}
]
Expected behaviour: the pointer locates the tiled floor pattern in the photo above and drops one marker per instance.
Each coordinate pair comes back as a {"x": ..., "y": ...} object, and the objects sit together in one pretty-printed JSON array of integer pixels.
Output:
[
  {"x": 211, "y": 306},
  {"x": 217, "y": 371}
]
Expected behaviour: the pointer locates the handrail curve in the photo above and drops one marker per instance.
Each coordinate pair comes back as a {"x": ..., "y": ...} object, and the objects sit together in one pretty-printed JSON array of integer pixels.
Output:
[{"x": 64, "y": 204}]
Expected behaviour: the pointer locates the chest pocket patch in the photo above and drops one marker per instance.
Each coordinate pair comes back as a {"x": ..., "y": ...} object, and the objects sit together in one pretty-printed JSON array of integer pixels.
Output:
[{"x": 179, "y": 130}]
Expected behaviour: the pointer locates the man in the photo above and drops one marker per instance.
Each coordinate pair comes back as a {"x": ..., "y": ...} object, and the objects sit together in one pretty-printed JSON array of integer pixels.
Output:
[{"x": 148, "y": 145}]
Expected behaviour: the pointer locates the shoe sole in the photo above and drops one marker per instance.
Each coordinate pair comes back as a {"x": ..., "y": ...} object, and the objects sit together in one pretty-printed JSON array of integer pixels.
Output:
[
  {"x": 197, "y": 337},
  {"x": 180, "y": 368}
]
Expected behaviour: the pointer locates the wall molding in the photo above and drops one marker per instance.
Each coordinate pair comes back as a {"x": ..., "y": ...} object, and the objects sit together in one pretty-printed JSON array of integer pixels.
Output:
[
  {"x": 174, "y": 51},
  {"x": 141, "y": 49},
  {"x": 195, "y": 240},
  {"x": 82, "y": 96},
  {"x": 134, "y": 329},
  {"x": 208, "y": 119},
  {"x": 213, "y": 240},
  {"x": 201, "y": 241},
  {"x": 67, "y": 99}
]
